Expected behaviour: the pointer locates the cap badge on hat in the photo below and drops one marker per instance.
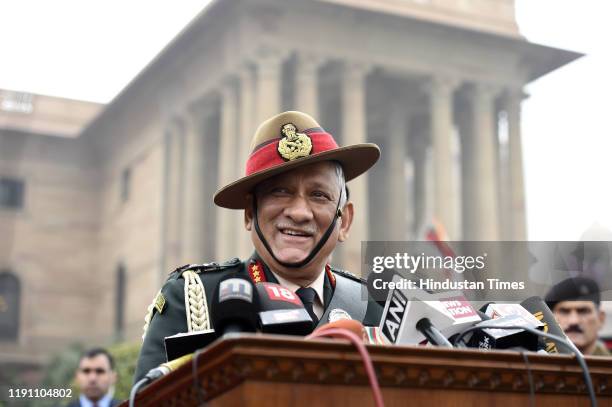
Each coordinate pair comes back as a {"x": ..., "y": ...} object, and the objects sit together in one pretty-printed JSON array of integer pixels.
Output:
[{"x": 293, "y": 145}]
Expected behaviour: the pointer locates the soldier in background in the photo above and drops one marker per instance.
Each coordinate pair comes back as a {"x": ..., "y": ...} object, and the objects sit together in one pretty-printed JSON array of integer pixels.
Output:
[{"x": 576, "y": 305}]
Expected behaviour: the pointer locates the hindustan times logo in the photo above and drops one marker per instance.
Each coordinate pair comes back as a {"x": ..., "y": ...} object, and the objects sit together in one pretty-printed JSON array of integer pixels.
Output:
[{"x": 411, "y": 263}]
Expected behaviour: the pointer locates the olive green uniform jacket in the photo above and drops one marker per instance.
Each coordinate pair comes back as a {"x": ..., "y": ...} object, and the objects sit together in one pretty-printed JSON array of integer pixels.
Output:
[
  {"x": 600, "y": 350},
  {"x": 168, "y": 315}
]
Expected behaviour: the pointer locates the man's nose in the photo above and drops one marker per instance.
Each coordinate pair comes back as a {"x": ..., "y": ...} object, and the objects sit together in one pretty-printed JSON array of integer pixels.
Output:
[
  {"x": 573, "y": 318},
  {"x": 299, "y": 210}
]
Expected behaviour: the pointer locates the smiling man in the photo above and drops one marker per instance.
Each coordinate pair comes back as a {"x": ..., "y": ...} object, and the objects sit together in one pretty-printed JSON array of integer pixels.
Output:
[{"x": 297, "y": 209}]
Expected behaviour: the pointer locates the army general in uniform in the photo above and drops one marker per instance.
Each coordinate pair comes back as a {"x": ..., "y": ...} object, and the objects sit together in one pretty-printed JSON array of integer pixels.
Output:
[{"x": 296, "y": 209}]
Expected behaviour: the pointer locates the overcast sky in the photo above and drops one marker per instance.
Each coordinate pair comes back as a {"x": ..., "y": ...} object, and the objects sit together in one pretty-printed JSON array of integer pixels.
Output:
[{"x": 90, "y": 50}]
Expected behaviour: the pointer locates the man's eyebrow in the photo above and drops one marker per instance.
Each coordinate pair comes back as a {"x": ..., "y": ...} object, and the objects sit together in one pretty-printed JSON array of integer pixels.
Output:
[
  {"x": 326, "y": 188},
  {"x": 324, "y": 185}
]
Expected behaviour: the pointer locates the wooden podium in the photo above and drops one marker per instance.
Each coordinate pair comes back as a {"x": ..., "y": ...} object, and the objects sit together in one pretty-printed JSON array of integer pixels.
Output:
[{"x": 265, "y": 370}]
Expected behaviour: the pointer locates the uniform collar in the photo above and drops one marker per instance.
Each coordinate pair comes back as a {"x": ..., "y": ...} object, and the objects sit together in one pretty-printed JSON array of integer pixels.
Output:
[
  {"x": 259, "y": 272},
  {"x": 317, "y": 284}
]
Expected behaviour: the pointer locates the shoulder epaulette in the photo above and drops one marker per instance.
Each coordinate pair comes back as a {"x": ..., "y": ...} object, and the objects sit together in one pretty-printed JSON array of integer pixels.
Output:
[
  {"x": 205, "y": 267},
  {"x": 348, "y": 274}
]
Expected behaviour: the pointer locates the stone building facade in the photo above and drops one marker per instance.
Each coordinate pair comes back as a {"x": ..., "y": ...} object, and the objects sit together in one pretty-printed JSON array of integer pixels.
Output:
[
  {"x": 48, "y": 226},
  {"x": 431, "y": 81}
]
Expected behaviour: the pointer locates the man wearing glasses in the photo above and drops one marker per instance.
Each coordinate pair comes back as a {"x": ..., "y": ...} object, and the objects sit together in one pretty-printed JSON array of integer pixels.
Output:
[{"x": 95, "y": 377}]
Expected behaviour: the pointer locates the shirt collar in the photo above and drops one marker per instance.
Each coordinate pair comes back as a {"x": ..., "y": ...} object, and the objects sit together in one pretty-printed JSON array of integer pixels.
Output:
[
  {"x": 317, "y": 284},
  {"x": 103, "y": 402}
]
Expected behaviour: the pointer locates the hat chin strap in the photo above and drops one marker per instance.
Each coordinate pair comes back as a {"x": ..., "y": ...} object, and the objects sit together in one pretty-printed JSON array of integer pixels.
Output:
[{"x": 313, "y": 252}]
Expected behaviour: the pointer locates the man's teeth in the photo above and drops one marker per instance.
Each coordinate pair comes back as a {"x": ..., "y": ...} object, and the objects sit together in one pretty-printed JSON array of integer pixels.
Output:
[{"x": 293, "y": 233}]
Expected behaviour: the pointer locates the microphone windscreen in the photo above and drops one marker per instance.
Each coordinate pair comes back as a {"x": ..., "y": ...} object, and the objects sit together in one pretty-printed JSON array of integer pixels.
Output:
[
  {"x": 234, "y": 306},
  {"x": 282, "y": 311},
  {"x": 498, "y": 338},
  {"x": 352, "y": 325},
  {"x": 276, "y": 297}
]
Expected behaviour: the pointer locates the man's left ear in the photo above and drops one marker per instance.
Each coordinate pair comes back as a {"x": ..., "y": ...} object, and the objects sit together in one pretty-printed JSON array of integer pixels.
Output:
[
  {"x": 346, "y": 220},
  {"x": 602, "y": 317}
]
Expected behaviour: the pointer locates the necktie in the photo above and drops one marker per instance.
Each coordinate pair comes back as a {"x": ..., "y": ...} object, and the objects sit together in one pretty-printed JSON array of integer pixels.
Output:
[{"x": 307, "y": 295}]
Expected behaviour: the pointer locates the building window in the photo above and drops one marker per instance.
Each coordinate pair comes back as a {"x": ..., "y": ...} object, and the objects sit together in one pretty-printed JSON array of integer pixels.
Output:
[
  {"x": 11, "y": 193},
  {"x": 120, "y": 302},
  {"x": 126, "y": 179},
  {"x": 9, "y": 306}
]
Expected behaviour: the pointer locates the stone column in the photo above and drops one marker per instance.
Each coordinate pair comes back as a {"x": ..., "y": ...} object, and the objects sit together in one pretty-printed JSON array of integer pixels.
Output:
[
  {"x": 246, "y": 128},
  {"x": 212, "y": 131},
  {"x": 195, "y": 198},
  {"x": 441, "y": 116},
  {"x": 307, "y": 84},
  {"x": 500, "y": 173},
  {"x": 173, "y": 193},
  {"x": 515, "y": 165},
  {"x": 397, "y": 204},
  {"x": 485, "y": 205},
  {"x": 269, "y": 70},
  {"x": 246, "y": 132},
  {"x": 418, "y": 150},
  {"x": 354, "y": 128},
  {"x": 228, "y": 154},
  {"x": 468, "y": 164}
]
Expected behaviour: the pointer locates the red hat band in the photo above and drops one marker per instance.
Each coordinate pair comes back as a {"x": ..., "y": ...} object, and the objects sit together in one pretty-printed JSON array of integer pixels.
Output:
[{"x": 276, "y": 151}]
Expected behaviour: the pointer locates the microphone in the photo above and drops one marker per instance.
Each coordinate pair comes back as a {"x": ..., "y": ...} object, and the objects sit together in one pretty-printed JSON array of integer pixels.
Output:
[
  {"x": 282, "y": 311},
  {"x": 495, "y": 311},
  {"x": 449, "y": 312},
  {"x": 167, "y": 367},
  {"x": 156, "y": 373},
  {"x": 538, "y": 308},
  {"x": 492, "y": 338},
  {"x": 433, "y": 335},
  {"x": 234, "y": 306}
]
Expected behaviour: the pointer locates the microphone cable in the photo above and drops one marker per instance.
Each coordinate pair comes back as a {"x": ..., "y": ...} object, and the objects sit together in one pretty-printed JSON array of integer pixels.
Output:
[
  {"x": 563, "y": 341},
  {"x": 136, "y": 387},
  {"x": 365, "y": 357}
]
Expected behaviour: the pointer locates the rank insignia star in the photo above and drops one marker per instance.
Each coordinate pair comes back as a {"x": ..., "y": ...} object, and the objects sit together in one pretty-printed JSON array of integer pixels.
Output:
[{"x": 255, "y": 270}]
